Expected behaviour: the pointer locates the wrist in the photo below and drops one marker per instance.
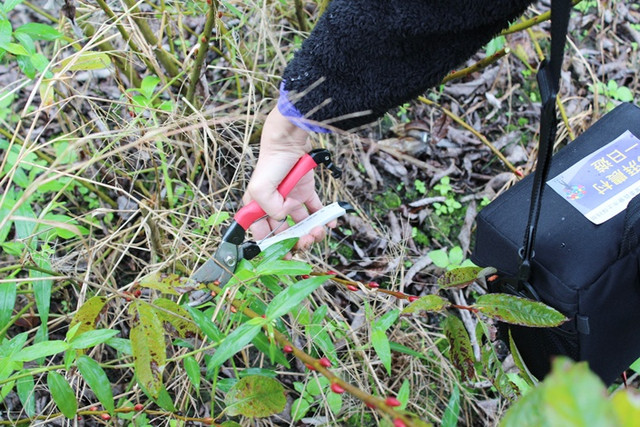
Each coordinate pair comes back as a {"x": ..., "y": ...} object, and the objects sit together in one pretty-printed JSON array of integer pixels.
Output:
[{"x": 281, "y": 135}]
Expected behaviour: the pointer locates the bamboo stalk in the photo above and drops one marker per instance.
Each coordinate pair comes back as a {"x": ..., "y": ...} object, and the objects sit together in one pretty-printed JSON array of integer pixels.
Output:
[{"x": 202, "y": 50}]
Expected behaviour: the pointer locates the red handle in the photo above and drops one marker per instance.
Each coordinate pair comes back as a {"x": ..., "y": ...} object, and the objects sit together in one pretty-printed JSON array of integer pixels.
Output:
[{"x": 253, "y": 212}]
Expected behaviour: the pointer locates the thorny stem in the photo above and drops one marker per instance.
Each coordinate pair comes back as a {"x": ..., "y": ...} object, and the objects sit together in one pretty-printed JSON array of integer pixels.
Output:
[
  {"x": 531, "y": 22},
  {"x": 483, "y": 63},
  {"x": 202, "y": 49},
  {"x": 481, "y": 137}
]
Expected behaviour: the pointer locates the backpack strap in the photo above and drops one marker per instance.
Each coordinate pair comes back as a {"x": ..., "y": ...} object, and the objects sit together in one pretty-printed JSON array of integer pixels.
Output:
[{"x": 548, "y": 77}]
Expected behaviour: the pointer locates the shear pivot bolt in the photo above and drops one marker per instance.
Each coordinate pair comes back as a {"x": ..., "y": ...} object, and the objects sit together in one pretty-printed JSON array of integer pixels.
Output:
[{"x": 230, "y": 260}]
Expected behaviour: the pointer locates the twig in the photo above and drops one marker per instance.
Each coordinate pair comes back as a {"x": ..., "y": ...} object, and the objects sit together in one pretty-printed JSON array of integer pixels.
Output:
[
  {"x": 302, "y": 24},
  {"x": 483, "y": 63},
  {"x": 202, "y": 49}
]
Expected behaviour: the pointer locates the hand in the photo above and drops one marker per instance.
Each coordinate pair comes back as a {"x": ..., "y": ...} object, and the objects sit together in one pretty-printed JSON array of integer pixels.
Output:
[{"x": 281, "y": 146}]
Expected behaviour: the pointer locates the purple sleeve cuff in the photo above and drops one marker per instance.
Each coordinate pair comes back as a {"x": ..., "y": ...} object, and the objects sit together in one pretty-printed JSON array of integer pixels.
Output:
[{"x": 290, "y": 111}]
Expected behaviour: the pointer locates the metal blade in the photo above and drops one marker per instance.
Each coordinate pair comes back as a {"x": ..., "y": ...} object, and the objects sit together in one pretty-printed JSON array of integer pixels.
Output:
[{"x": 220, "y": 267}]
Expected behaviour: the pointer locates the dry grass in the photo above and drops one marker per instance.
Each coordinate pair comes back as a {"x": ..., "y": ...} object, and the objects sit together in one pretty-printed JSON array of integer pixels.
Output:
[{"x": 143, "y": 179}]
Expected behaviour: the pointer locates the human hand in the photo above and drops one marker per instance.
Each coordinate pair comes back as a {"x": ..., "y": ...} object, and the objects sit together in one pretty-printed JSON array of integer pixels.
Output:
[{"x": 281, "y": 146}]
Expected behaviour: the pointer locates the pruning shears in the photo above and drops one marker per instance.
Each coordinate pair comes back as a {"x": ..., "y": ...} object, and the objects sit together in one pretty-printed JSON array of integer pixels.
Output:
[{"x": 233, "y": 248}]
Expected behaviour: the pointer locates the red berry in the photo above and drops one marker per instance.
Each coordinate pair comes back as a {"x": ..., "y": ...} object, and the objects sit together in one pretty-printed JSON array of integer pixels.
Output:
[
  {"x": 310, "y": 366},
  {"x": 398, "y": 423},
  {"x": 413, "y": 298},
  {"x": 374, "y": 285},
  {"x": 213, "y": 294},
  {"x": 93, "y": 408},
  {"x": 138, "y": 407},
  {"x": 207, "y": 421},
  {"x": 203, "y": 39},
  {"x": 352, "y": 288},
  {"x": 105, "y": 417},
  {"x": 325, "y": 362},
  {"x": 137, "y": 293},
  {"x": 332, "y": 273},
  {"x": 264, "y": 316},
  {"x": 233, "y": 309},
  {"x": 79, "y": 417},
  {"x": 287, "y": 349},
  {"x": 492, "y": 278},
  {"x": 392, "y": 401},
  {"x": 370, "y": 405},
  {"x": 216, "y": 282},
  {"x": 305, "y": 276},
  {"x": 337, "y": 388}
]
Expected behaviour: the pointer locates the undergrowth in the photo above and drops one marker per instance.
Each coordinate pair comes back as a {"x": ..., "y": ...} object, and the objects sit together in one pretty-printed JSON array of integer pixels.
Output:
[{"x": 128, "y": 133}]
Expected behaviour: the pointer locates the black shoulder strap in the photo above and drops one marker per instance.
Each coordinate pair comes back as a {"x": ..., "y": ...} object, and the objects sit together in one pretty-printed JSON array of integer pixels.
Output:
[{"x": 549, "y": 82}]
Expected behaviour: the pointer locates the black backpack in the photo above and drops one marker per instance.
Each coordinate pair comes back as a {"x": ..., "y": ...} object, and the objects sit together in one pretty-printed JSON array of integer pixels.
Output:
[{"x": 589, "y": 272}]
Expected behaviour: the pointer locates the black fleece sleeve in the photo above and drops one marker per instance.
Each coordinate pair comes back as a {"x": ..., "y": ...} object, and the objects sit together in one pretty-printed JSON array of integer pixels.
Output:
[{"x": 367, "y": 56}]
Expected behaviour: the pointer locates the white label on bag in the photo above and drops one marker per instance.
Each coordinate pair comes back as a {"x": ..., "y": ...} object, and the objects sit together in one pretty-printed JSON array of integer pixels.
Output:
[{"x": 602, "y": 184}]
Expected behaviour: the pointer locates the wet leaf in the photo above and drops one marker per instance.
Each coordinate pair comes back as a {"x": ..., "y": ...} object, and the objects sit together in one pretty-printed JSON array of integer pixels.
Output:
[
  {"x": 459, "y": 277},
  {"x": 147, "y": 343},
  {"x": 95, "y": 377},
  {"x": 433, "y": 303},
  {"x": 380, "y": 344},
  {"x": 170, "y": 312},
  {"x": 518, "y": 311},
  {"x": 460, "y": 353},
  {"x": 451, "y": 414},
  {"x": 87, "y": 315},
  {"x": 256, "y": 396},
  {"x": 281, "y": 266},
  {"x": 62, "y": 394}
]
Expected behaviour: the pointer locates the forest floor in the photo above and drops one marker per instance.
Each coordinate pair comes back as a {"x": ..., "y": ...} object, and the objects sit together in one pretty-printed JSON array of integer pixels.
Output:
[{"x": 106, "y": 179}]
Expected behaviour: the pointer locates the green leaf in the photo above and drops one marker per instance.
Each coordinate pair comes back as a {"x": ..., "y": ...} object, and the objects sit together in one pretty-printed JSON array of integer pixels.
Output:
[
  {"x": 292, "y": 296},
  {"x": 42, "y": 349},
  {"x": 451, "y": 414},
  {"x": 403, "y": 394},
  {"x": 8, "y": 291},
  {"x": 42, "y": 288},
  {"x": 299, "y": 409},
  {"x": 380, "y": 344},
  {"x": 122, "y": 345},
  {"x": 460, "y": 353},
  {"x": 495, "y": 45},
  {"x": 87, "y": 315},
  {"x": 39, "y": 31},
  {"x": 148, "y": 85},
  {"x": 624, "y": 94},
  {"x": 318, "y": 334},
  {"x": 334, "y": 400},
  {"x": 15, "y": 49},
  {"x": 192, "y": 368},
  {"x": 385, "y": 322},
  {"x": 233, "y": 343},
  {"x": 9, "y": 5},
  {"x": 62, "y": 394},
  {"x": 518, "y": 311},
  {"x": 281, "y": 266},
  {"x": 92, "y": 338},
  {"x": 439, "y": 258},
  {"x": 26, "y": 41},
  {"x": 459, "y": 277},
  {"x": 25, "y": 387},
  {"x": 626, "y": 406},
  {"x": 206, "y": 325},
  {"x": 256, "y": 396},
  {"x": 84, "y": 61},
  {"x": 39, "y": 61},
  {"x": 261, "y": 342},
  {"x": 278, "y": 250},
  {"x": 456, "y": 255},
  {"x": 147, "y": 343},
  {"x": 5, "y": 33},
  {"x": 170, "y": 312},
  {"x": 517, "y": 359},
  {"x": 95, "y": 377},
  {"x": 169, "y": 283},
  {"x": 433, "y": 303}
]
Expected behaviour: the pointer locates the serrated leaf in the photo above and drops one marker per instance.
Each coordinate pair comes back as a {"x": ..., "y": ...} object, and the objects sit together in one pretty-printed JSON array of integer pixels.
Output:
[
  {"x": 460, "y": 353},
  {"x": 8, "y": 292},
  {"x": 233, "y": 343},
  {"x": 256, "y": 396},
  {"x": 281, "y": 266},
  {"x": 42, "y": 349},
  {"x": 459, "y": 277},
  {"x": 147, "y": 343},
  {"x": 62, "y": 394},
  {"x": 39, "y": 31},
  {"x": 25, "y": 387},
  {"x": 292, "y": 296},
  {"x": 92, "y": 338},
  {"x": 170, "y": 312},
  {"x": 432, "y": 303},
  {"x": 87, "y": 315},
  {"x": 84, "y": 61},
  {"x": 97, "y": 380},
  {"x": 192, "y": 369},
  {"x": 518, "y": 311}
]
